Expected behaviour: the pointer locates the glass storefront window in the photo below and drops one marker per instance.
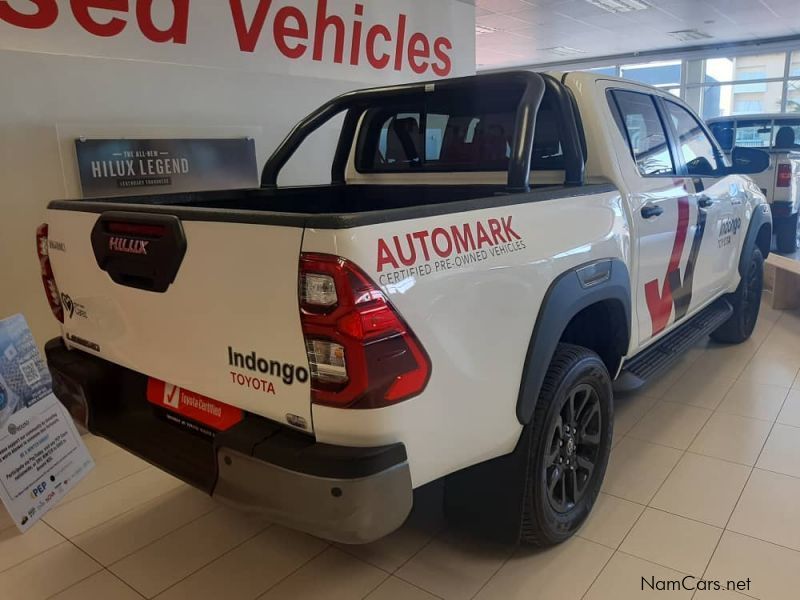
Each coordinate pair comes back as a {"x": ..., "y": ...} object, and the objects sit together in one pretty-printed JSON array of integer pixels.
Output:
[
  {"x": 744, "y": 68},
  {"x": 610, "y": 71},
  {"x": 660, "y": 74},
  {"x": 794, "y": 65},
  {"x": 741, "y": 99},
  {"x": 723, "y": 85},
  {"x": 793, "y": 96}
]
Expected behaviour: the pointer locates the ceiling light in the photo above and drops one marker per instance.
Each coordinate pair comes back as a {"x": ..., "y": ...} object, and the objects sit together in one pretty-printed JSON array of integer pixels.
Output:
[
  {"x": 620, "y": 6},
  {"x": 483, "y": 29},
  {"x": 689, "y": 35},
  {"x": 563, "y": 50}
]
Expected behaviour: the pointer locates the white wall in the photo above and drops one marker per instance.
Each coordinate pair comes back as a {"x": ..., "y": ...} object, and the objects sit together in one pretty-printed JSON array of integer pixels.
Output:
[{"x": 50, "y": 94}]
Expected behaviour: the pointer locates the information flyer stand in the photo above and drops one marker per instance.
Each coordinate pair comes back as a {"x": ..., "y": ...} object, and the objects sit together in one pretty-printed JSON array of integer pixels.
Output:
[{"x": 42, "y": 455}]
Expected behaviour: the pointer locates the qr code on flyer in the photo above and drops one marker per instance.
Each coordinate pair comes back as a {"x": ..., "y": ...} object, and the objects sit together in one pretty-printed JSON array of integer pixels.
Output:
[
  {"x": 30, "y": 372},
  {"x": 23, "y": 373}
]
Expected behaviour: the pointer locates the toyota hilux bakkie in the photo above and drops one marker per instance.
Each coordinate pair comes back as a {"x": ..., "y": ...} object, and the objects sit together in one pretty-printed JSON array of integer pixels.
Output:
[{"x": 494, "y": 257}]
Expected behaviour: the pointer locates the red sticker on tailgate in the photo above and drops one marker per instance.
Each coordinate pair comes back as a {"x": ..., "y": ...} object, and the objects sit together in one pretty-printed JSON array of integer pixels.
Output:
[{"x": 193, "y": 406}]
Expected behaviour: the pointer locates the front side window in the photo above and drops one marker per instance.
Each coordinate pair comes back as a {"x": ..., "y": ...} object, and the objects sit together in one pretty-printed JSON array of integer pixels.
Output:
[
  {"x": 698, "y": 152},
  {"x": 645, "y": 132}
]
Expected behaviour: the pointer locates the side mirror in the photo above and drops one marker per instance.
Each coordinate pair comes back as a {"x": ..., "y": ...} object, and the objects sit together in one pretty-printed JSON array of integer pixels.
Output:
[{"x": 747, "y": 161}]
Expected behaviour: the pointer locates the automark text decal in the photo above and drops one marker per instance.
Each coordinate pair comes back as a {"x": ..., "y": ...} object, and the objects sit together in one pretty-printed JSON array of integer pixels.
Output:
[{"x": 423, "y": 252}]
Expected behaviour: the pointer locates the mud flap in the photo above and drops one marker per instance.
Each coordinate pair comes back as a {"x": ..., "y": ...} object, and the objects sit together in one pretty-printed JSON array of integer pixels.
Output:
[{"x": 488, "y": 499}]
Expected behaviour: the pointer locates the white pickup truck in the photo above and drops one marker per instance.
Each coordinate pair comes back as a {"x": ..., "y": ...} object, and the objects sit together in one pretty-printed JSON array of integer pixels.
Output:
[
  {"x": 779, "y": 135},
  {"x": 493, "y": 256}
]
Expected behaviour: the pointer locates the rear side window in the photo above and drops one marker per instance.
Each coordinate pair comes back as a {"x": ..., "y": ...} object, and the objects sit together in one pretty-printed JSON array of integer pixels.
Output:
[
  {"x": 645, "y": 132},
  {"x": 468, "y": 133}
]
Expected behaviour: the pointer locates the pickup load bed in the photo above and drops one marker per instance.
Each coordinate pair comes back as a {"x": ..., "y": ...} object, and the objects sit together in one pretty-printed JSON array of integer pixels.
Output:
[{"x": 491, "y": 254}]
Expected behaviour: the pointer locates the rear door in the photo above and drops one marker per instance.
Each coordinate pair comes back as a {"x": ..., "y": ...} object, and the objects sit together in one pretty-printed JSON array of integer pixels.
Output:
[{"x": 209, "y": 306}]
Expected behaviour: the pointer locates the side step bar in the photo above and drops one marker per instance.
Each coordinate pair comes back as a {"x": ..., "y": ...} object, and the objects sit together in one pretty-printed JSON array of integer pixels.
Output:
[{"x": 651, "y": 363}]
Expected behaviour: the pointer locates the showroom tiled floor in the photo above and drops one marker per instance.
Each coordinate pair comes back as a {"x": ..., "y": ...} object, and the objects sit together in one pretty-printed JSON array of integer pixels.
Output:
[{"x": 704, "y": 480}]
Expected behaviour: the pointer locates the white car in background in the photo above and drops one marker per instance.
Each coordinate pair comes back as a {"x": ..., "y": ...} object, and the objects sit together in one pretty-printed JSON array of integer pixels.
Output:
[{"x": 778, "y": 134}]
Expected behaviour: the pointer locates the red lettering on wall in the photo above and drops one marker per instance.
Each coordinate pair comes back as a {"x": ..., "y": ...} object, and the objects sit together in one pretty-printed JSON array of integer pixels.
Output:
[
  {"x": 282, "y": 31},
  {"x": 109, "y": 28},
  {"x": 378, "y": 62},
  {"x": 176, "y": 33},
  {"x": 355, "y": 43},
  {"x": 248, "y": 36},
  {"x": 418, "y": 47},
  {"x": 441, "y": 48},
  {"x": 44, "y": 17},
  {"x": 401, "y": 42},
  {"x": 379, "y": 45},
  {"x": 324, "y": 21}
]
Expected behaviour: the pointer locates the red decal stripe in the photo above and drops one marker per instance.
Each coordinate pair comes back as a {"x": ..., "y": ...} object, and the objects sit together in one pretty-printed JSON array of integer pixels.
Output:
[{"x": 660, "y": 304}]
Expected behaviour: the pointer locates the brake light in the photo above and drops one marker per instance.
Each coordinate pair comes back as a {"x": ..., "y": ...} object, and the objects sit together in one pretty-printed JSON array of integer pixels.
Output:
[
  {"x": 137, "y": 229},
  {"x": 361, "y": 352},
  {"x": 49, "y": 281},
  {"x": 784, "y": 175}
]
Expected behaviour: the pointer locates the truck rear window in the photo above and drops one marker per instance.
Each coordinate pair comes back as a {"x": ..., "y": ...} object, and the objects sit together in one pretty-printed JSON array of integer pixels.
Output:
[
  {"x": 470, "y": 133},
  {"x": 767, "y": 134}
]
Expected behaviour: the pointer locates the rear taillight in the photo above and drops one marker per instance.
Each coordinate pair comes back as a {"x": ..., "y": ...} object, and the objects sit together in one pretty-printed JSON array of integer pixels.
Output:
[
  {"x": 784, "y": 175},
  {"x": 137, "y": 229},
  {"x": 361, "y": 352},
  {"x": 49, "y": 281}
]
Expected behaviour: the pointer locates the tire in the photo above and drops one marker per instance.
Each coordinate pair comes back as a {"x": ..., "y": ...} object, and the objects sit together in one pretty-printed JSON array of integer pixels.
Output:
[
  {"x": 786, "y": 235},
  {"x": 555, "y": 503},
  {"x": 746, "y": 301}
]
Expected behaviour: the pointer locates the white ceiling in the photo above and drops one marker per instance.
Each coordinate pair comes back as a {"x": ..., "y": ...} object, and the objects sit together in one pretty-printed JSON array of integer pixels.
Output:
[{"x": 525, "y": 29}]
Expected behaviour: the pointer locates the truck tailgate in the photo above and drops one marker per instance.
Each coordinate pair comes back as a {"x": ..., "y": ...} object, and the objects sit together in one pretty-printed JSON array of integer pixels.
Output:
[{"x": 208, "y": 306}]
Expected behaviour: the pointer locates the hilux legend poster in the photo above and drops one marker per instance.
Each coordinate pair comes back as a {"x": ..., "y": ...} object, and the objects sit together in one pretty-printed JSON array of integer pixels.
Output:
[{"x": 133, "y": 167}]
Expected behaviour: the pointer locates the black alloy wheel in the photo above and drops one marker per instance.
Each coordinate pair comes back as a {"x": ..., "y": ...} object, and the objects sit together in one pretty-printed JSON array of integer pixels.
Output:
[
  {"x": 574, "y": 448},
  {"x": 751, "y": 293},
  {"x": 570, "y": 440},
  {"x": 746, "y": 303}
]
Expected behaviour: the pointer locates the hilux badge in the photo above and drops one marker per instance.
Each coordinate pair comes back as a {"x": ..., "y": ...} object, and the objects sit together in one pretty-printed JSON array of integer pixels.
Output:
[{"x": 127, "y": 245}]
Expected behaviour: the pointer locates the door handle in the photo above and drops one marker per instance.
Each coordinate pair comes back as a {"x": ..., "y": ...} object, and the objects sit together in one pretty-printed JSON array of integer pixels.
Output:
[
  {"x": 651, "y": 210},
  {"x": 704, "y": 202}
]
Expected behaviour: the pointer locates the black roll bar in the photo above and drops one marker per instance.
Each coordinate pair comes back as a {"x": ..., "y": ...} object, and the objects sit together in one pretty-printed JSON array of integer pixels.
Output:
[{"x": 355, "y": 103}]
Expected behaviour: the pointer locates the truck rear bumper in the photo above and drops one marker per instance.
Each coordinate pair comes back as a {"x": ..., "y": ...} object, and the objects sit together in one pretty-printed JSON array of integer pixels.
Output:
[{"x": 349, "y": 495}]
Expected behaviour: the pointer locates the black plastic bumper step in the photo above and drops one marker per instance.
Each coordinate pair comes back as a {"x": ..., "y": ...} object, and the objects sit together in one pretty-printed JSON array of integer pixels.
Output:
[{"x": 652, "y": 362}]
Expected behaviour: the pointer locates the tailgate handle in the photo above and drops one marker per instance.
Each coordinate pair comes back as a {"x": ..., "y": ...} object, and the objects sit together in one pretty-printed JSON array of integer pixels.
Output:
[{"x": 139, "y": 250}]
